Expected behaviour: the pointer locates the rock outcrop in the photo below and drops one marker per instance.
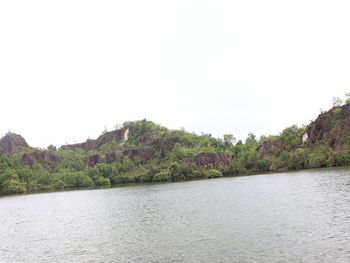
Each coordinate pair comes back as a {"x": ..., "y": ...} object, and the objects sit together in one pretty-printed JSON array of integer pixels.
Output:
[
  {"x": 212, "y": 159},
  {"x": 117, "y": 135},
  {"x": 94, "y": 159},
  {"x": 102, "y": 158},
  {"x": 13, "y": 143},
  {"x": 331, "y": 128},
  {"x": 269, "y": 147},
  {"x": 42, "y": 157},
  {"x": 86, "y": 146},
  {"x": 143, "y": 154}
]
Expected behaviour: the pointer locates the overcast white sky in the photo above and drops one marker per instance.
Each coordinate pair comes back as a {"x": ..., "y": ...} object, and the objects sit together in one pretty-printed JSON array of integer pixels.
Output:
[{"x": 69, "y": 68}]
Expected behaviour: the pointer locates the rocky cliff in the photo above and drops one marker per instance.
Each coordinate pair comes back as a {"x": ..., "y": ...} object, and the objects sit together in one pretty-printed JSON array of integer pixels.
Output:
[
  {"x": 331, "y": 128},
  {"x": 42, "y": 157},
  {"x": 117, "y": 135},
  {"x": 212, "y": 159},
  {"x": 270, "y": 147}
]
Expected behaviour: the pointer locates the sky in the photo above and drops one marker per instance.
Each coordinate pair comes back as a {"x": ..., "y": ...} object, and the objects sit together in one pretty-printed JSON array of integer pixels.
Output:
[{"x": 70, "y": 68}]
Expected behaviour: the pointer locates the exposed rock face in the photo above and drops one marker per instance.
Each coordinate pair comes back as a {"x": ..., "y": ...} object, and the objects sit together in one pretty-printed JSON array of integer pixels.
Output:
[
  {"x": 86, "y": 146},
  {"x": 149, "y": 137},
  {"x": 313, "y": 133},
  {"x": 102, "y": 158},
  {"x": 304, "y": 138},
  {"x": 117, "y": 135},
  {"x": 112, "y": 157},
  {"x": 268, "y": 148},
  {"x": 126, "y": 134},
  {"x": 332, "y": 128},
  {"x": 13, "y": 143},
  {"x": 38, "y": 157},
  {"x": 212, "y": 159},
  {"x": 93, "y": 160},
  {"x": 144, "y": 154},
  {"x": 336, "y": 144}
]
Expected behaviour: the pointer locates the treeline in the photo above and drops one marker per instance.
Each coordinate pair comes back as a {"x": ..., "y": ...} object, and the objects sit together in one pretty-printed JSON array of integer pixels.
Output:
[{"x": 20, "y": 179}]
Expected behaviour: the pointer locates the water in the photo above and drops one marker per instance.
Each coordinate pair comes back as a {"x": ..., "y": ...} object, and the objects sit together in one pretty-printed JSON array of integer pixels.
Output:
[{"x": 289, "y": 217}]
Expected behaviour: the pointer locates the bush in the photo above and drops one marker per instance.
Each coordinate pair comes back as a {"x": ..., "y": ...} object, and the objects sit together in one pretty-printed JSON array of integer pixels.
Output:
[
  {"x": 319, "y": 156},
  {"x": 180, "y": 171},
  {"x": 262, "y": 165},
  {"x": 46, "y": 187},
  {"x": 162, "y": 176},
  {"x": 75, "y": 179},
  {"x": 45, "y": 179},
  {"x": 297, "y": 159},
  {"x": 59, "y": 184},
  {"x": 317, "y": 160},
  {"x": 212, "y": 173},
  {"x": 102, "y": 181},
  {"x": 106, "y": 170},
  {"x": 147, "y": 177},
  {"x": 13, "y": 187},
  {"x": 121, "y": 179},
  {"x": 247, "y": 160},
  {"x": 230, "y": 169},
  {"x": 291, "y": 137}
]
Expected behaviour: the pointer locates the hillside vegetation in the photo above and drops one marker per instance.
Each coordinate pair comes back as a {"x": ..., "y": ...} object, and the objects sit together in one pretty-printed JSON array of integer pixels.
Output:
[{"x": 143, "y": 151}]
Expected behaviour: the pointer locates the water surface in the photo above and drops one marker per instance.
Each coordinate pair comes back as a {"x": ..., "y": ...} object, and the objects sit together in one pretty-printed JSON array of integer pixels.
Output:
[{"x": 289, "y": 217}]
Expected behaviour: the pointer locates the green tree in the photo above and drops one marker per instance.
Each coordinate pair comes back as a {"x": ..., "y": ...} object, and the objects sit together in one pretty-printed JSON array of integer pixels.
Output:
[
  {"x": 291, "y": 137},
  {"x": 229, "y": 139},
  {"x": 251, "y": 139},
  {"x": 347, "y": 97},
  {"x": 10, "y": 184},
  {"x": 336, "y": 102}
]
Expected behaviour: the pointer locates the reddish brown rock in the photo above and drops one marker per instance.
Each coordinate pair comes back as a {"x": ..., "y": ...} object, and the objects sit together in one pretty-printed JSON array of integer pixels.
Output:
[
  {"x": 102, "y": 158},
  {"x": 112, "y": 157},
  {"x": 38, "y": 157},
  {"x": 144, "y": 154},
  {"x": 331, "y": 128},
  {"x": 314, "y": 133},
  {"x": 13, "y": 143},
  {"x": 93, "y": 160},
  {"x": 86, "y": 146},
  {"x": 268, "y": 148},
  {"x": 117, "y": 135},
  {"x": 337, "y": 144},
  {"x": 212, "y": 159}
]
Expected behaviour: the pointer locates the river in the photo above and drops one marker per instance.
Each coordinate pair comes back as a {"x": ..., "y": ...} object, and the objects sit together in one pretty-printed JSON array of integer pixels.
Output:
[{"x": 288, "y": 217}]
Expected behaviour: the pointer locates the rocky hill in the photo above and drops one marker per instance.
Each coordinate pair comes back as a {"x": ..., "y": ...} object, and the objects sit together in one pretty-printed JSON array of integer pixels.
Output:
[
  {"x": 142, "y": 151},
  {"x": 330, "y": 129},
  {"x": 13, "y": 143}
]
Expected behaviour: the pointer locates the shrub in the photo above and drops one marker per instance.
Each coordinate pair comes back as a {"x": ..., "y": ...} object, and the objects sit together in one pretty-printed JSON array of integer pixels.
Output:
[
  {"x": 59, "y": 184},
  {"x": 121, "y": 180},
  {"x": 180, "y": 171},
  {"x": 13, "y": 187},
  {"x": 162, "y": 176},
  {"x": 212, "y": 173},
  {"x": 102, "y": 181},
  {"x": 76, "y": 179}
]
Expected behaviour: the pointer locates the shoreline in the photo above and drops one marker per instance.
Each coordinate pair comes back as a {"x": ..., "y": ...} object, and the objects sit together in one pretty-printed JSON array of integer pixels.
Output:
[{"x": 170, "y": 182}]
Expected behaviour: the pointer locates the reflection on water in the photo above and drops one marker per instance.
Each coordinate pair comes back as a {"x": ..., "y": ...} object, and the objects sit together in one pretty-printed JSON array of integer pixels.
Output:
[{"x": 290, "y": 217}]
